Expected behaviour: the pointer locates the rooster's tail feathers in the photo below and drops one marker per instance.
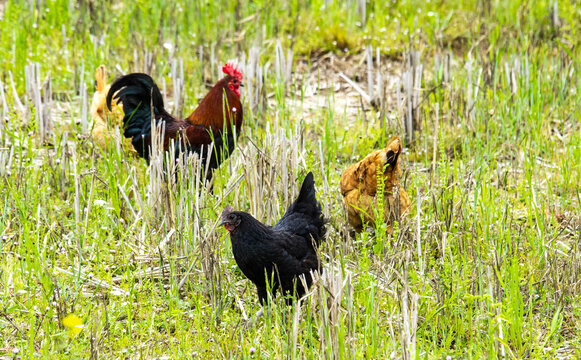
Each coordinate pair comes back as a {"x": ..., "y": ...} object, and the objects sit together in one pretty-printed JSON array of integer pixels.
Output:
[
  {"x": 137, "y": 88},
  {"x": 141, "y": 100}
]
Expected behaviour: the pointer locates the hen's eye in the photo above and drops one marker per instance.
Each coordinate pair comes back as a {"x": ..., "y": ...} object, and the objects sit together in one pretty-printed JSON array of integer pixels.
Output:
[{"x": 235, "y": 81}]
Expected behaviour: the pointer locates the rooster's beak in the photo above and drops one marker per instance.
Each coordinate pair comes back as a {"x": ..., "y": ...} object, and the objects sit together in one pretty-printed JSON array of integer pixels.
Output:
[
  {"x": 241, "y": 84},
  {"x": 222, "y": 222}
]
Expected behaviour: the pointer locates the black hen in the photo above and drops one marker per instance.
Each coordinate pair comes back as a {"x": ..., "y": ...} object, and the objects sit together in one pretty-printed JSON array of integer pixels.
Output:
[{"x": 283, "y": 252}]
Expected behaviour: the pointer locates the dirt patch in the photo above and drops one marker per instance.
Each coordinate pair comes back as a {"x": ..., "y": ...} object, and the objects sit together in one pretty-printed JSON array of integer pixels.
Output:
[{"x": 326, "y": 84}]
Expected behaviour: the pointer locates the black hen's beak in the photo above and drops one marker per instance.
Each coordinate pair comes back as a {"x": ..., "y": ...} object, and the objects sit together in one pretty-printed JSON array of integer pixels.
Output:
[{"x": 222, "y": 222}]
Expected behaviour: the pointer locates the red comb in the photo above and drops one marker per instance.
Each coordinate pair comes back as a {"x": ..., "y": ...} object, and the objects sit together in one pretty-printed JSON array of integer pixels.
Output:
[{"x": 232, "y": 70}]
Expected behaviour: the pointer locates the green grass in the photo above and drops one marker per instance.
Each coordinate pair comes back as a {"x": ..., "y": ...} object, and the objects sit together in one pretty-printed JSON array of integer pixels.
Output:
[{"x": 97, "y": 234}]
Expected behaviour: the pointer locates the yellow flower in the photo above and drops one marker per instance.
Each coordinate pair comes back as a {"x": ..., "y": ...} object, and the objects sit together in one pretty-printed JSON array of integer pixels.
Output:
[{"x": 74, "y": 324}]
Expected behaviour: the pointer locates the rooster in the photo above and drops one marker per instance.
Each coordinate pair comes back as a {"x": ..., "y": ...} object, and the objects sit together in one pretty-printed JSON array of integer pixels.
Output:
[
  {"x": 359, "y": 186},
  {"x": 283, "y": 252},
  {"x": 218, "y": 117},
  {"x": 104, "y": 121}
]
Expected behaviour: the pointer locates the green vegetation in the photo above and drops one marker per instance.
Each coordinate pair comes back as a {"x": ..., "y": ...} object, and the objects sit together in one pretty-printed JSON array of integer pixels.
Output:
[{"x": 488, "y": 267}]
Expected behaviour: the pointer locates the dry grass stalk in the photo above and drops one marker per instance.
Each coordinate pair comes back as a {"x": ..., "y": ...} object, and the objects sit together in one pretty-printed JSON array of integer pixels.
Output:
[
  {"x": 158, "y": 196},
  {"x": 283, "y": 65},
  {"x": 77, "y": 199},
  {"x": 435, "y": 144},
  {"x": 362, "y": 10},
  {"x": 356, "y": 87},
  {"x": 443, "y": 62},
  {"x": 492, "y": 279},
  {"x": 409, "y": 311},
  {"x": 253, "y": 80},
  {"x": 144, "y": 63},
  {"x": 472, "y": 88},
  {"x": 418, "y": 230},
  {"x": 326, "y": 299},
  {"x": 369, "y": 57},
  {"x": 41, "y": 97},
  {"x": 177, "y": 74},
  {"x": 412, "y": 82},
  {"x": 20, "y": 109},
  {"x": 4, "y": 113},
  {"x": 6, "y": 159},
  {"x": 83, "y": 91}
]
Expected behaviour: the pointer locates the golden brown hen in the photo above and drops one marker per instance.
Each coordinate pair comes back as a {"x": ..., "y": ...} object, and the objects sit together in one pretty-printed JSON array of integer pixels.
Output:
[
  {"x": 104, "y": 121},
  {"x": 359, "y": 186}
]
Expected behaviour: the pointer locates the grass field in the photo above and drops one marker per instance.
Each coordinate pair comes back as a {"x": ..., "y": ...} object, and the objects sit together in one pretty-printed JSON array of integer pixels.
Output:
[{"x": 485, "y": 94}]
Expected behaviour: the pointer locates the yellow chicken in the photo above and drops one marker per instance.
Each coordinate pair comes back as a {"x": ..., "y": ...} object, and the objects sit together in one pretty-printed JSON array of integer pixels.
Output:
[
  {"x": 104, "y": 121},
  {"x": 359, "y": 186}
]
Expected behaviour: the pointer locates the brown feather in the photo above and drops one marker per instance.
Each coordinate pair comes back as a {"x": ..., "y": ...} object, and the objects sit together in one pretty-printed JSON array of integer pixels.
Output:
[{"x": 210, "y": 111}]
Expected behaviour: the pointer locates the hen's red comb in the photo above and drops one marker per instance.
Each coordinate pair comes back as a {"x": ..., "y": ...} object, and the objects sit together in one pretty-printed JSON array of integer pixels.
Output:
[{"x": 232, "y": 70}]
